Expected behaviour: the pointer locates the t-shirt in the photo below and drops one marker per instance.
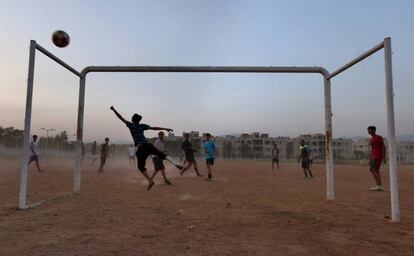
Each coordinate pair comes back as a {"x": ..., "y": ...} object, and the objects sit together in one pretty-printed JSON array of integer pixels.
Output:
[
  {"x": 159, "y": 144},
  {"x": 187, "y": 147},
  {"x": 131, "y": 151},
  {"x": 210, "y": 149},
  {"x": 137, "y": 132},
  {"x": 304, "y": 153},
  {"x": 104, "y": 149},
  {"x": 33, "y": 147},
  {"x": 377, "y": 147},
  {"x": 275, "y": 153}
]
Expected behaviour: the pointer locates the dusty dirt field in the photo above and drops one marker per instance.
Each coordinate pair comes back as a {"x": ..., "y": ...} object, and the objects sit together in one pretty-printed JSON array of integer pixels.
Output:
[{"x": 246, "y": 210}]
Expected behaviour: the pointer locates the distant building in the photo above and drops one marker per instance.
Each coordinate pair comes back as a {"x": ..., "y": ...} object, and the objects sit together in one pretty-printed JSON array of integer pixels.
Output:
[
  {"x": 342, "y": 148},
  {"x": 361, "y": 148}
]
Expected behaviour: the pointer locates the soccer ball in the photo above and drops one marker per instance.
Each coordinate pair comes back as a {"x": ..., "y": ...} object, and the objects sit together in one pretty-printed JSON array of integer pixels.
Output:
[{"x": 60, "y": 38}]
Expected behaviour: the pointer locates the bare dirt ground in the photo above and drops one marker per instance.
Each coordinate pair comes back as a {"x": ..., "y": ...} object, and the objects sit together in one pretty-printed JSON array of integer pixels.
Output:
[{"x": 246, "y": 210}]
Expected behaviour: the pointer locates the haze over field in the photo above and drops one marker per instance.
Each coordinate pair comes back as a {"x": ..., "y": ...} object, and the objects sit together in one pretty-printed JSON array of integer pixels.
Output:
[{"x": 240, "y": 33}]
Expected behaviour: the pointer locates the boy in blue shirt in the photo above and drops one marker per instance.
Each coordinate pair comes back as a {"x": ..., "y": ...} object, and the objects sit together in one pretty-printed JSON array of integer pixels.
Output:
[{"x": 210, "y": 152}]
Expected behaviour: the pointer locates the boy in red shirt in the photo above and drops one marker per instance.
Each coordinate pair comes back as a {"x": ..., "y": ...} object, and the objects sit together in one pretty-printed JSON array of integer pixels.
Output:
[{"x": 376, "y": 157}]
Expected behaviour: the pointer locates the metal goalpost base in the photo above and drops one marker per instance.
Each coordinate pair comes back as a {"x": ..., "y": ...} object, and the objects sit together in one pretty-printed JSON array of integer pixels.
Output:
[{"x": 386, "y": 44}]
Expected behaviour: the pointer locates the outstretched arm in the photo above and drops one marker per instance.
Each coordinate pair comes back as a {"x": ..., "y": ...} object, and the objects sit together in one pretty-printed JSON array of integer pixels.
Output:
[
  {"x": 118, "y": 115},
  {"x": 161, "y": 129}
]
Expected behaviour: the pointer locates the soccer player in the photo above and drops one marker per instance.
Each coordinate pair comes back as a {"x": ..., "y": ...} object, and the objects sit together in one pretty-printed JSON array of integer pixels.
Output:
[
  {"x": 210, "y": 153},
  {"x": 94, "y": 151},
  {"x": 158, "y": 162},
  {"x": 144, "y": 148},
  {"x": 131, "y": 155},
  {"x": 188, "y": 149},
  {"x": 104, "y": 154},
  {"x": 376, "y": 157},
  {"x": 275, "y": 156},
  {"x": 304, "y": 156},
  {"x": 35, "y": 155}
]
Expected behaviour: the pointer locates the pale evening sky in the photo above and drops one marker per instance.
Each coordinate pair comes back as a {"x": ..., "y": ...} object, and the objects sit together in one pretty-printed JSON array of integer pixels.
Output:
[{"x": 324, "y": 33}]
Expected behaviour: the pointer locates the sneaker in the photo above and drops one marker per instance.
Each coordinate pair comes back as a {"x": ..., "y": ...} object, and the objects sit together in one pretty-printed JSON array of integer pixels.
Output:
[
  {"x": 377, "y": 188},
  {"x": 381, "y": 188},
  {"x": 167, "y": 182}
]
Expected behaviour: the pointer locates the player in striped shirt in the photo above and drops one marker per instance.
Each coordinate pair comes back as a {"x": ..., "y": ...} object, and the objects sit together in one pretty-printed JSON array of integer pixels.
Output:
[{"x": 145, "y": 148}]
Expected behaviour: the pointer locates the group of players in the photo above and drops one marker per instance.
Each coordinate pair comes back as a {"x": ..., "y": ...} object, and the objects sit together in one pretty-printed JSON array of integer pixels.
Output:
[{"x": 143, "y": 149}]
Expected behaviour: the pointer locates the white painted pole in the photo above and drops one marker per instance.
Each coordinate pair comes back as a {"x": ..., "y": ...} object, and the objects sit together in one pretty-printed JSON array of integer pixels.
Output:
[
  {"x": 330, "y": 193},
  {"x": 27, "y": 122},
  {"x": 392, "y": 146},
  {"x": 79, "y": 135}
]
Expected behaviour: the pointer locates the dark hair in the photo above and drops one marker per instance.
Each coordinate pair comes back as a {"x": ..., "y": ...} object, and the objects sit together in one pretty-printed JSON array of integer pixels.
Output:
[
  {"x": 208, "y": 135},
  {"x": 136, "y": 118},
  {"x": 106, "y": 139},
  {"x": 34, "y": 136},
  {"x": 372, "y": 128},
  {"x": 186, "y": 135},
  {"x": 161, "y": 133}
]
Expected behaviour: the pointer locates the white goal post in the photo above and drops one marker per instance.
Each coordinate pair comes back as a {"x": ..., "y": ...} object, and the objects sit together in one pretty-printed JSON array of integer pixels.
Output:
[{"x": 386, "y": 44}]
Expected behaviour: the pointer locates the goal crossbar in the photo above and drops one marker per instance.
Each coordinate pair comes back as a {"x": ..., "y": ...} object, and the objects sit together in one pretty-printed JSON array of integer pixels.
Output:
[{"x": 386, "y": 44}]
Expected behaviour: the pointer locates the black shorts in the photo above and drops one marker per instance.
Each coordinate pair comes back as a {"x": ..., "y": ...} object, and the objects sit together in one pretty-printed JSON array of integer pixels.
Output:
[
  {"x": 190, "y": 159},
  {"x": 375, "y": 164},
  {"x": 305, "y": 164},
  {"x": 158, "y": 164},
  {"x": 145, "y": 150},
  {"x": 34, "y": 158},
  {"x": 210, "y": 161},
  {"x": 275, "y": 160}
]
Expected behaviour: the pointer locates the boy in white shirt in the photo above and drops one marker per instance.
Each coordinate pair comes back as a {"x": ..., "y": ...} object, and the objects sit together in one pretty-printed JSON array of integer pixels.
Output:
[
  {"x": 158, "y": 162},
  {"x": 35, "y": 155}
]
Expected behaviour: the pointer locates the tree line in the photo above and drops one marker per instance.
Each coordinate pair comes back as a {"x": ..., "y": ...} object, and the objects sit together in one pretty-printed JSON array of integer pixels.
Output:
[{"x": 13, "y": 138}]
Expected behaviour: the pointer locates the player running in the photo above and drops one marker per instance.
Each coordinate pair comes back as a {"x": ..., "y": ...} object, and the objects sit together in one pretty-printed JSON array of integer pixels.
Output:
[
  {"x": 376, "y": 157},
  {"x": 104, "y": 154},
  {"x": 210, "y": 153},
  {"x": 158, "y": 162},
  {"x": 304, "y": 156},
  {"x": 275, "y": 156},
  {"x": 145, "y": 149},
  {"x": 189, "y": 151},
  {"x": 35, "y": 155}
]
